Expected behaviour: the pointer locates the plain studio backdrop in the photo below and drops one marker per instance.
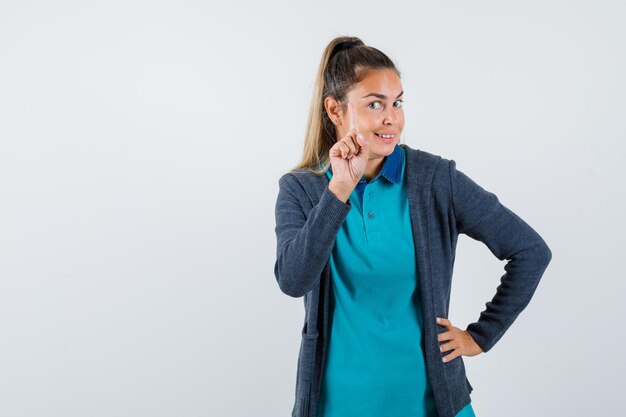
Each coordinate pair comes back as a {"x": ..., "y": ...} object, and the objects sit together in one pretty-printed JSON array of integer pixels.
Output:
[{"x": 141, "y": 145}]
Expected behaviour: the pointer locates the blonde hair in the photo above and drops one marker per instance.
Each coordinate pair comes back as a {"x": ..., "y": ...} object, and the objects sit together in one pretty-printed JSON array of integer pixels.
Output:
[{"x": 342, "y": 66}]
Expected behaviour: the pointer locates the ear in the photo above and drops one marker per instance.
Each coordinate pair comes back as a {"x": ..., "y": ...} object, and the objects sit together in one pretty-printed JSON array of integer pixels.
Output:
[{"x": 333, "y": 108}]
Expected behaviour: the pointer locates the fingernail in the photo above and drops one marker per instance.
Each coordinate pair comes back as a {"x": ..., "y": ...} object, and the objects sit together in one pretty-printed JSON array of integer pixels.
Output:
[{"x": 438, "y": 320}]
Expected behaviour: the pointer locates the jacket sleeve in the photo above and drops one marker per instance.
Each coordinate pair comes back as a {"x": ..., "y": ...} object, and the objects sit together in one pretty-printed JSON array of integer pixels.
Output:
[
  {"x": 304, "y": 243},
  {"x": 480, "y": 215}
]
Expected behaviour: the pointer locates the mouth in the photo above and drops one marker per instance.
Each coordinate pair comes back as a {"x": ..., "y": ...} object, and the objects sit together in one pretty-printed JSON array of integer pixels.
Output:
[{"x": 386, "y": 138}]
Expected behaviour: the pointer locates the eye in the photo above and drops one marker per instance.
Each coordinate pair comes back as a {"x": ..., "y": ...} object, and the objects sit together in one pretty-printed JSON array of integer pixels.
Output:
[
  {"x": 373, "y": 103},
  {"x": 399, "y": 103}
]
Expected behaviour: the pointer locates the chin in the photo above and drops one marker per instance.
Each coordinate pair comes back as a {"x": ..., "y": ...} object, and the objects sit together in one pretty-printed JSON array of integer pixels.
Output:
[{"x": 386, "y": 148}]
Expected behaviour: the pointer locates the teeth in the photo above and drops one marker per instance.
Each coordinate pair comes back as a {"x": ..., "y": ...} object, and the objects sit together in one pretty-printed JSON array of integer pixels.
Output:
[{"x": 385, "y": 136}]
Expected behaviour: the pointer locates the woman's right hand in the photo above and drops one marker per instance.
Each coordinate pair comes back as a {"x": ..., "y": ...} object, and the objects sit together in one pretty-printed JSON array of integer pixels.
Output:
[{"x": 348, "y": 158}]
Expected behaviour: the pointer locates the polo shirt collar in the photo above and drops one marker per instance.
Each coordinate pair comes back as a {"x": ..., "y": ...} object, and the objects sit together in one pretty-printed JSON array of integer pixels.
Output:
[{"x": 392, "y": 167}]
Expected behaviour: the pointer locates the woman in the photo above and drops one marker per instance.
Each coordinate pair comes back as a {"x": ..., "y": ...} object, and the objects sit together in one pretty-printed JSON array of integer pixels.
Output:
[{"x": 367, "y": 231}]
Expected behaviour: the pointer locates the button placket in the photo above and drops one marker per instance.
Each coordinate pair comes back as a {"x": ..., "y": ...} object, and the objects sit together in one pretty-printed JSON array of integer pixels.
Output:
[{"x": 370, "y": 209}]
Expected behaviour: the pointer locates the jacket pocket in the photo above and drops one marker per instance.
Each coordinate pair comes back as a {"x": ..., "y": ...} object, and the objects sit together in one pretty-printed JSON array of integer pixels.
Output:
[
  {"x": 308, "y": 353},
  {"x": 311, "y": 333}
]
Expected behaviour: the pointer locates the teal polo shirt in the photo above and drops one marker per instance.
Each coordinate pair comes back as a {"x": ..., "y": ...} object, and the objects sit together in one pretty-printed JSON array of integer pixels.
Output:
[{"x": 375, "y": 365}]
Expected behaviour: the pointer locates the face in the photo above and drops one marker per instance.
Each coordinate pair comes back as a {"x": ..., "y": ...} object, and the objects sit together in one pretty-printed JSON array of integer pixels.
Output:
[{"x": 378, "y": 108}]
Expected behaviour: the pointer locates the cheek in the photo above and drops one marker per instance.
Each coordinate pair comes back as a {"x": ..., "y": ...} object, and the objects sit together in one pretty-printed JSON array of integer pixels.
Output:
[
  {"x": 370, "y": 127},
  {"x": 401, "y": 121}
]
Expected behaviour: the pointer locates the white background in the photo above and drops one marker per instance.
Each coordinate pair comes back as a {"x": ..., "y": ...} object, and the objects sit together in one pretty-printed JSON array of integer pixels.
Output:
[{"x": 140, "y": 149}]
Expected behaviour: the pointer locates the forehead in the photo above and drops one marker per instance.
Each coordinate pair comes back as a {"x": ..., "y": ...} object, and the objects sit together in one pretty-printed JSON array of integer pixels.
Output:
[{"x": 382, "y": 81}]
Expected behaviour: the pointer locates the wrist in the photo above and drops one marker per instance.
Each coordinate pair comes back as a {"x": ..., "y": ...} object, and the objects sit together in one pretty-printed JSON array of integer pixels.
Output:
[{"x": 341, "y": 192}]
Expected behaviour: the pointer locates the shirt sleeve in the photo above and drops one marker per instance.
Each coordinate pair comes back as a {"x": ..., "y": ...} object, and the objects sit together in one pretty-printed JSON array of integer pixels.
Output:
[
  {"x": 304, "y": 243},
  {"x": 480, "y": 215}
]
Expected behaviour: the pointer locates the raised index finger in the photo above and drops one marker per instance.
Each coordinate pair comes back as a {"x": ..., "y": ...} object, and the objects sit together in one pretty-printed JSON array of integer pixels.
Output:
[{"x": 353, "y": 119}]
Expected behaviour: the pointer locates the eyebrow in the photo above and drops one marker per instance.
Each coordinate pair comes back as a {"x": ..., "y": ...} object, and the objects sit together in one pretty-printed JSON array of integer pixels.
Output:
[{"x": 381, "y": 96}]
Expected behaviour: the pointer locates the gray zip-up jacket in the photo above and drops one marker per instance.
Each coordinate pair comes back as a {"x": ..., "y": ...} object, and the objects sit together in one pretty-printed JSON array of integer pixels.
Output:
[{"x": 443, "y": 203}]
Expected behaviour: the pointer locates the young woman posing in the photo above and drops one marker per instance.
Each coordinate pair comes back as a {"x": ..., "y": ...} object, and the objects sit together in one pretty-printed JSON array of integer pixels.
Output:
[{"x": 366, "y": 232}]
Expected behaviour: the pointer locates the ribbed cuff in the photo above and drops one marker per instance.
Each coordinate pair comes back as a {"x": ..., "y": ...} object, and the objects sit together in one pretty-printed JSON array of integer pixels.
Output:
[
  {"x": 333, "y": 209},
  {"x": 484, "y": 334}
]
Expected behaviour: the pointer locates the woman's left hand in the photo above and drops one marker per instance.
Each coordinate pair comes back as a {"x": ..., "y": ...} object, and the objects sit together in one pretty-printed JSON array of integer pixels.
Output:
[{"x": 459, "y": 340}]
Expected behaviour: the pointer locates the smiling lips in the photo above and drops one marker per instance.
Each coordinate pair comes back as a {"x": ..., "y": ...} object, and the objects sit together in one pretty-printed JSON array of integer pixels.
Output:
[{"x": 385, "y": 137}]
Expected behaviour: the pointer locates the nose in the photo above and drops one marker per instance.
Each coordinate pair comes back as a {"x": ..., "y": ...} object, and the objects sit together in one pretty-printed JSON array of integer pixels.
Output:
[{"x": 390, "y": 116}]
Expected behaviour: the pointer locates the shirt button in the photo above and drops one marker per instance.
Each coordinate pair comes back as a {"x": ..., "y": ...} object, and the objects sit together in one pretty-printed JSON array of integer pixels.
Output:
[{"x": 370, "y": 215}]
